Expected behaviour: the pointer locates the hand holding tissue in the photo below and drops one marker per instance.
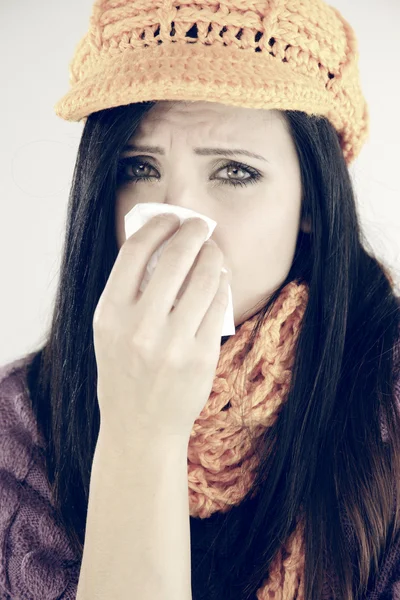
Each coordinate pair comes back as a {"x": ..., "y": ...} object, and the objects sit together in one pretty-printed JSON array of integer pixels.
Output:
[{"x": 143, "y": 212}]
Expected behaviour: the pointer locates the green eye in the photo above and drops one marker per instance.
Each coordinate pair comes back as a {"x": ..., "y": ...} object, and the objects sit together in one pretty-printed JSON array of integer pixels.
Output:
[
  {"x": 254, "y": 175},
  {"x": 134, "y": 161}
]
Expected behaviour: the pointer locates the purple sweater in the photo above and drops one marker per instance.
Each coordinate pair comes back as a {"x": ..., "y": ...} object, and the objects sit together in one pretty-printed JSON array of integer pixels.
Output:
[{"x": 36, "y": 560}]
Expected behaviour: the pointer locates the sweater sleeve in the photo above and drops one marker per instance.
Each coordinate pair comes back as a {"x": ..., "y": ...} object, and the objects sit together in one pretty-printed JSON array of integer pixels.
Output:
[{"x": 36, "y": 560}]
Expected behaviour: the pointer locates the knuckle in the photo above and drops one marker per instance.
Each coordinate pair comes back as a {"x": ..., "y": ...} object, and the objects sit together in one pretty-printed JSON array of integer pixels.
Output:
[
  {"x": 105, "y": 314},
  {"x": 199, "y": 225},
  {"x": 131, "y": 247},
  {"x": 205, "y": 280},
  {"x": 97, "y": 325},
  {"x": 103, "y": 333},
  {"x": 174, "y": 355},
  {"x": 174, "y": 255},
  {"x": 99, "y": 320},
  {"x": 215, "y": 251},
  {"x": 142, "y": 347},
  {"x": 142, "y": 339},
  {"x": 162, "y": 219}
]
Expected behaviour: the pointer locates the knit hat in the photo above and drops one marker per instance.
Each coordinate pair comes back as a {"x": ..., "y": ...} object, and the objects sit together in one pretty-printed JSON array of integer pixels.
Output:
[{"x": 271, "y": 54}]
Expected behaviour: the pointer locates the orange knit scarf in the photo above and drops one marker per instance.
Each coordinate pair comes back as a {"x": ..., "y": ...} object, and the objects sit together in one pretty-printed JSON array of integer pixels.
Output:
[{"x": 221, "y": 465}]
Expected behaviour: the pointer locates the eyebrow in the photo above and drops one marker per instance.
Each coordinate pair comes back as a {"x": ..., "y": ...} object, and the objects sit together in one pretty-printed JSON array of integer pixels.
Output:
[{"x": 199, "y": 151}]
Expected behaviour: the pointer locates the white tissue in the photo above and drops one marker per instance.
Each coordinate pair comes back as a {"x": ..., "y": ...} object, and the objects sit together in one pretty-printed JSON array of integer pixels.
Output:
[{"x": 144, "y": 211}]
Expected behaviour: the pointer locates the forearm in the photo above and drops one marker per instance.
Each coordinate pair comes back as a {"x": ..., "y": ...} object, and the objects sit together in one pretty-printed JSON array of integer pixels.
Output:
[{"x": 137, "y": 540}]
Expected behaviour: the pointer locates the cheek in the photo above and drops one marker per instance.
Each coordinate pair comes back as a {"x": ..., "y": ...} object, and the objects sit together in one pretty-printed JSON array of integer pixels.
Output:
[
  {"x": 263, "y": 252},
  {"x": 123, "y": 204}
]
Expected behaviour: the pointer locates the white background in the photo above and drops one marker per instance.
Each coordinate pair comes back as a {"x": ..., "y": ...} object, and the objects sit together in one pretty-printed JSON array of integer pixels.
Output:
[{"x": 38, "y": 150}]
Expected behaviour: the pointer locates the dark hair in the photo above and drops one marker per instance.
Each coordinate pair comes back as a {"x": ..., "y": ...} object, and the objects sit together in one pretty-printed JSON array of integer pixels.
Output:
[{"x": 325, "y": 456}]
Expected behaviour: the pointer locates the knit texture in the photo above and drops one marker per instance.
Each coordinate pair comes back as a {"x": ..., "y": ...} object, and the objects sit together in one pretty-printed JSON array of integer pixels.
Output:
[
  {"x": 36, "y": 560},
  {"x": 221, "y": 464},
  {"x": 276, "y": 54}
]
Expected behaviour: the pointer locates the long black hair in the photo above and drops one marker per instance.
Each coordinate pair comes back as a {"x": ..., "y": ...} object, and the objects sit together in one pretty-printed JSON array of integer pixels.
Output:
[{"x": 325, "y": 456}]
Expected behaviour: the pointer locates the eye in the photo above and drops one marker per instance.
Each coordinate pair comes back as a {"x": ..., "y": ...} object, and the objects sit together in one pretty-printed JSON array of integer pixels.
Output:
[
  {"x": 140, "y": 167},
  {"x": 233, "y": 167},
  {"x": 136, "y": 164}
]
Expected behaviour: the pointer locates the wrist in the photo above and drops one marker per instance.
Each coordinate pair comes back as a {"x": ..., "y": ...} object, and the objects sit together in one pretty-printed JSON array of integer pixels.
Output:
[{"x": 140, "y": 441}]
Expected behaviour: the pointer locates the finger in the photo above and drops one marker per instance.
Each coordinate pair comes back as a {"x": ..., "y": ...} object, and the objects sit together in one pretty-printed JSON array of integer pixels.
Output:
[
  {"x": 211, "y": 327},
  {"x": 200, "y": 291},
  {"x": 175, "y": 261},
  {"x": 123, "y": 284}
]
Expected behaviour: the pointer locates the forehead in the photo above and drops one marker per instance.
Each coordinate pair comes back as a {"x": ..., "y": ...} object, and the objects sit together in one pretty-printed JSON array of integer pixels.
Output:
[{"x": 212, "y": 117}]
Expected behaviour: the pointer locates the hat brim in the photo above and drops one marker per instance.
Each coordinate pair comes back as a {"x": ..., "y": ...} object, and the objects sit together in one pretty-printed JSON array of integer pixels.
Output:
[{"x": 200, "y": 72}]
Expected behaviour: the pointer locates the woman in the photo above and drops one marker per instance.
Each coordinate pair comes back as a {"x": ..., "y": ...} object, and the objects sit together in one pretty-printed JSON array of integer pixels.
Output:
[{"x": 297, "y": 497}]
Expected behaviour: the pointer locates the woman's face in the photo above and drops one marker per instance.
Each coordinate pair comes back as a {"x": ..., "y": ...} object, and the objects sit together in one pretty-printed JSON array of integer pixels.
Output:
[{"x": 257, "y": 223}]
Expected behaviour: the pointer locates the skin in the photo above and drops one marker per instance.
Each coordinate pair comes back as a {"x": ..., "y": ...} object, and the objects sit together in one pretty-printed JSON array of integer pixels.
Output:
[{"x": 257, "y": 224}]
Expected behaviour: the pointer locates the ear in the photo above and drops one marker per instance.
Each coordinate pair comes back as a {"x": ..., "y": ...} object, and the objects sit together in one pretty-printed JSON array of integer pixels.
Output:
[{"x": 306, "y": 225}]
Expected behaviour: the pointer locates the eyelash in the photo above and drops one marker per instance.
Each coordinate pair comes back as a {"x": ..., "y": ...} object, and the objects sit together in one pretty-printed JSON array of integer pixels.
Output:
[{"x": 122, "y": 177}]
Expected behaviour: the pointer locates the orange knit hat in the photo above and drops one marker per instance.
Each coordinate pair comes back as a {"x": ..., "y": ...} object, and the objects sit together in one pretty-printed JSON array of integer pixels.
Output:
[{"x": 270, "y": 54}]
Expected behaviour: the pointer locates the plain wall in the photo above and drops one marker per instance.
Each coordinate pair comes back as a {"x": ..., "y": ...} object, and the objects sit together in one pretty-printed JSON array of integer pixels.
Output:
[{"x": 38, "y": 150}]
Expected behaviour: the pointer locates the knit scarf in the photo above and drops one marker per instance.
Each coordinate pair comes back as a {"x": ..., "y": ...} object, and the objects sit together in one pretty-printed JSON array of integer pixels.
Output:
[{"x": 248, "y": 394}]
